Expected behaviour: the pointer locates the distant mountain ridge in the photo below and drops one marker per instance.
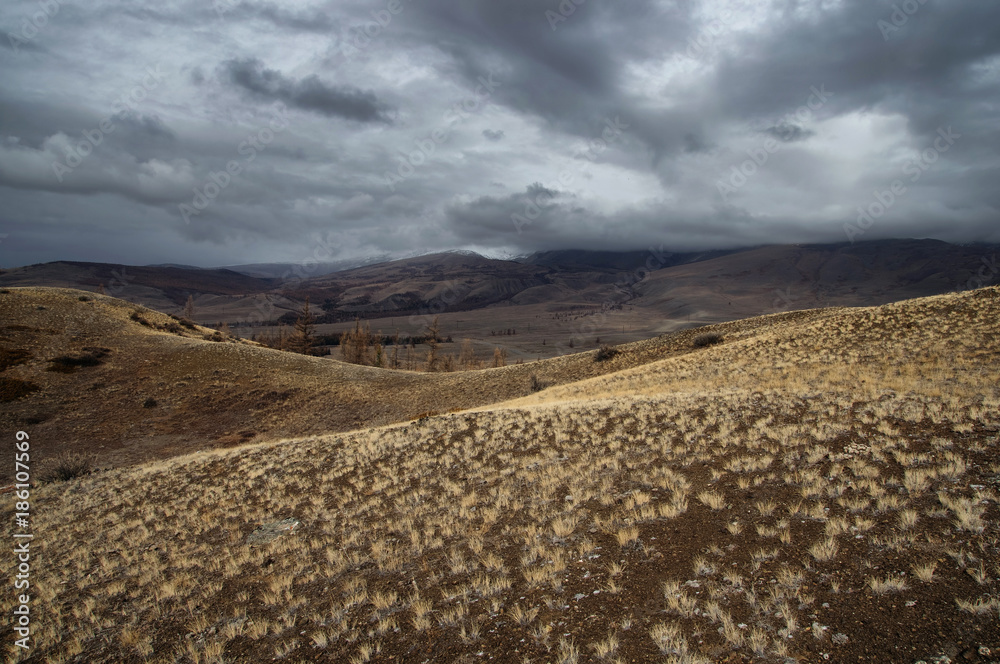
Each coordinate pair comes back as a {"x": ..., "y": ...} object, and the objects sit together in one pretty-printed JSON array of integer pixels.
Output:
[{"x": 709, "y": 285}]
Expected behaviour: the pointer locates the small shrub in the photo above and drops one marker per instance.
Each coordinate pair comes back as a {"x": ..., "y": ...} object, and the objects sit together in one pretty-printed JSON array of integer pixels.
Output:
[
  {"x": 707, "y": 339},
  {"x": 174, "y": 327},
  {"x": 68, "y": 466},
  {"x": 137, "y": 317},
  {"x": 605, "y": 352},
  {"x": 537, "y": 384},
  {"x": 149, "y": 403},
  {"x": 10, "y": 357},
  {"x": 84, "y": 298},
  {"x": 12, "y": 389},
  {"x": 214, "y": 336},
  {"x": 187, "y": 322},
  {"x": 91, "y": 357}
]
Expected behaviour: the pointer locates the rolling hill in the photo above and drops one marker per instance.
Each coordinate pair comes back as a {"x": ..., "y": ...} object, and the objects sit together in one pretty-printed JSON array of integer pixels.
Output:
[{"x": 806, "y": 486}]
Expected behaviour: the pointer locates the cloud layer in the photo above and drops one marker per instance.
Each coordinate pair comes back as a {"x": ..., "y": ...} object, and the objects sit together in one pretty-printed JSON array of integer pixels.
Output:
[{"x": 244, "y": 130}]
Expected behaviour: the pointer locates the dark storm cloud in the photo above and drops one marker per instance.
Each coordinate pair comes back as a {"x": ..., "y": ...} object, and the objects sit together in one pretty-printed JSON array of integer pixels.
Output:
[
  {"x": 806, "y": 112},
  {"x": 788, "y": 132},
  {"x": 309, "y": 93}
]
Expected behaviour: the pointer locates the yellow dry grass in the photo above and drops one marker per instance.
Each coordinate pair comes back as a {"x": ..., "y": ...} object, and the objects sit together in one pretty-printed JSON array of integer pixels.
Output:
[{"x": 610, "y": 517}]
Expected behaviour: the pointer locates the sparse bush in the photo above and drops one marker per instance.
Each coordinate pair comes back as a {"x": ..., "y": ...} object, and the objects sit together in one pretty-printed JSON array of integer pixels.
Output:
[
  {"x": 91, "y": 357},
  {"x": 84, "y": 298},
  {"x": 12, "y": 389},
  {"x": 706, "y": 339},
  {"x": 10, "y": 357},
  {"x": 605, "y": 352},
  {"x": 889, "y": 584},
  {"x": 537, "y": 384},
  {"x": 150, "y": 402},
  {"x": 138, "y": 318},
  {"x": 68, "y": 466}
]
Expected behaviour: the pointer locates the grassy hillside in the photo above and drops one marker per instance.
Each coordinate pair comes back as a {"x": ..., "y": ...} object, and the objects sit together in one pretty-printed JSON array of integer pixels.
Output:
[
  {"x": 816, "y": 486},
  {"x": 160, "y": 389}
]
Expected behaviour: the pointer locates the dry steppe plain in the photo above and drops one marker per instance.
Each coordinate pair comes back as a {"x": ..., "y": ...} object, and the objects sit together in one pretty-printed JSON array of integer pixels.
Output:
[{"x": 819, "y": 486}]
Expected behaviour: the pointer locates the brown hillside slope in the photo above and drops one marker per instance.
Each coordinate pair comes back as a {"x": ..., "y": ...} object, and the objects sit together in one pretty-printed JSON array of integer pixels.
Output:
[
  {"x": 157, "y": 393},
  {"x": 815, "y": 490}
]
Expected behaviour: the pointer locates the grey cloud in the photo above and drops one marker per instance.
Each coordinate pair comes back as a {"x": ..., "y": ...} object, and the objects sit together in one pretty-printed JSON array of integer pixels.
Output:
[
  {"x": 788, "y": 132},
  {"x": 309, "y": 93},
  {"x": 693, "y": 115}
]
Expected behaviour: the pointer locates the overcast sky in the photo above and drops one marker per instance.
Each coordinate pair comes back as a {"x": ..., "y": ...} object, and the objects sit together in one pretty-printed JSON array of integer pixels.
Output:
[{"x": 394, "y": 127}]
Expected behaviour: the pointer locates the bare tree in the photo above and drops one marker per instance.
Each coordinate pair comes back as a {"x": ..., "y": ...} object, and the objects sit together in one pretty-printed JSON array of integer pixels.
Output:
[
  {"x": 467, "y": 356},
  {"x": 304, "y": 335},
  {"x": 433, "y": 330}
]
